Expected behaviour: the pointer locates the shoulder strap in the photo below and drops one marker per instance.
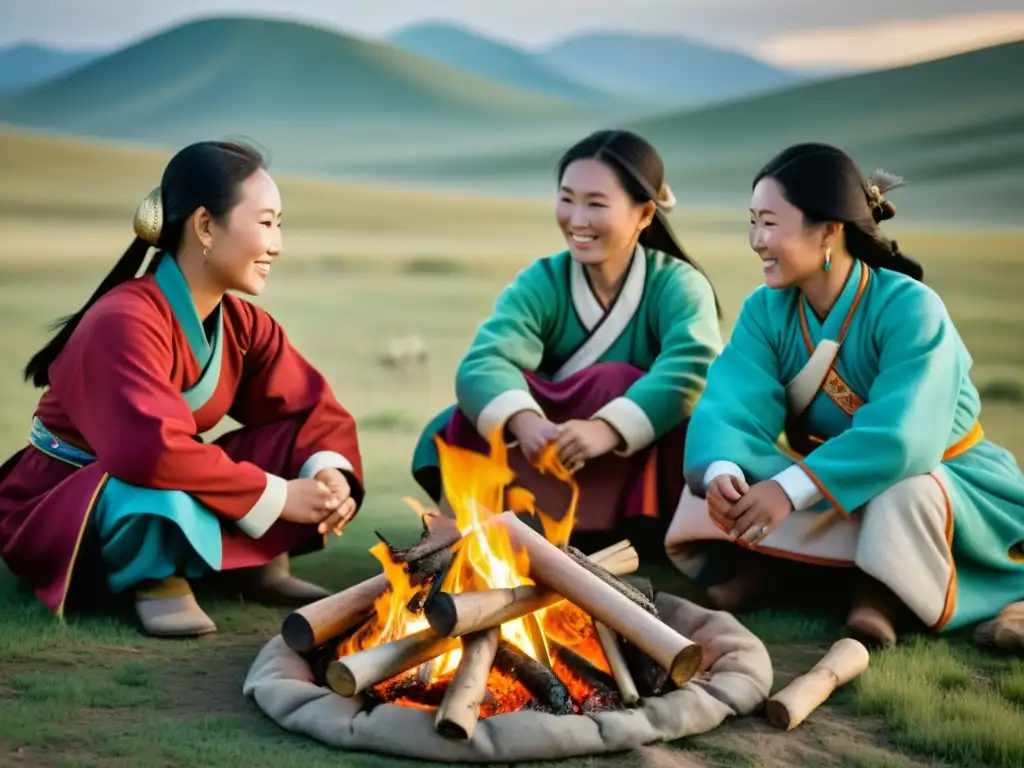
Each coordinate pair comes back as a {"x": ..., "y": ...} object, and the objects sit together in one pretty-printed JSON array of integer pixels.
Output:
[{"x": 804, "y": 387}]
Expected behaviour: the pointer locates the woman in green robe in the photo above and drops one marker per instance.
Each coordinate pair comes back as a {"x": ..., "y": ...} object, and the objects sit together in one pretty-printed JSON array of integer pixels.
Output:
[
  {"x": 600, "y": 350},
  {"x": 887, "y": 471}
]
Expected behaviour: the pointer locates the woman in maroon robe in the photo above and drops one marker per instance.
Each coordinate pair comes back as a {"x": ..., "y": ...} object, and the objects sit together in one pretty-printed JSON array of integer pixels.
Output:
[{"x": 115, "y": 477}]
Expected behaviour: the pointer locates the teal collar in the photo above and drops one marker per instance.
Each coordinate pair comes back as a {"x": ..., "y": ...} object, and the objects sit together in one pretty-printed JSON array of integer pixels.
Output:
[{"x": 175, "y": 288}]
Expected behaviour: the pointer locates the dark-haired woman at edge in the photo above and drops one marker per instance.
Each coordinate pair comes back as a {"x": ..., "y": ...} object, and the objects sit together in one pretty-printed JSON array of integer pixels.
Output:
[
  {"x": 115, "y": 480},
  {"x": 601, "y": 349},
  {"x": 849, "y": 353}
]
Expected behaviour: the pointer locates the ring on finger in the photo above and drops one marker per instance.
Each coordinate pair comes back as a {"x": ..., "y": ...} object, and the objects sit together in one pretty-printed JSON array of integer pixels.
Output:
[{"x": 760, "y": 532}]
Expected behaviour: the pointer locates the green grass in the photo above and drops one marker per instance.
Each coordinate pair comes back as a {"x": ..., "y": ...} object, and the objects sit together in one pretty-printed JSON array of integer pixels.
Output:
[
  {"x": 97, "y": 692},
  {"x": 935, "y": 694}
]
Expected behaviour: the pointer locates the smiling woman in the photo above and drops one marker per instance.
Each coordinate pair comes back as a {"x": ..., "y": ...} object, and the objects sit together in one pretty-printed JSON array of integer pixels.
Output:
[
  {"x": 887, "y": 476},
  {"x": 600, "y": 351},
  {"x": 116, "y": 482}
]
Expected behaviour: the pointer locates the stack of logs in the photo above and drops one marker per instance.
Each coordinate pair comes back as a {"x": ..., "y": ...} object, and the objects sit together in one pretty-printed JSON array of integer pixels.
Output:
[{"x": 645, "y": 655}]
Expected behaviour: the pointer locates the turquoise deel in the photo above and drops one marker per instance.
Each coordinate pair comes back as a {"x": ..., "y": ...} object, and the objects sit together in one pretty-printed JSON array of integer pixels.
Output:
[
  {"x": 903, "y": 356},
  {"x": 145, "y": 533},
  {"x": 674, "y": 335}
]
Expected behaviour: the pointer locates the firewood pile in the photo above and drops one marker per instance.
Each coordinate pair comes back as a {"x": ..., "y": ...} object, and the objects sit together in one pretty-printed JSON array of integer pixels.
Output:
[{"x": 578, "y": 635}]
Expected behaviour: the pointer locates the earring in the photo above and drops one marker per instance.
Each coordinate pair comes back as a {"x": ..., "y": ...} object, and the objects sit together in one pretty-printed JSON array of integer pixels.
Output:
[
  {"x": 828, "y": 257},
  {"x": 206, "y": 255}
]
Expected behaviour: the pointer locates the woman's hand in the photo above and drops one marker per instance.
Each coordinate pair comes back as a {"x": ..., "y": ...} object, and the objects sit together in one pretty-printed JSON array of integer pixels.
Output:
[
  {"x": 722, "y": 493},
  {"x": 308, "y": 501},
  {"x": 341, "y": 493},
  {"x": 759, "y": 511},
  {"x": 533, "y": 432},
  {"x": 581, "y": 440}
]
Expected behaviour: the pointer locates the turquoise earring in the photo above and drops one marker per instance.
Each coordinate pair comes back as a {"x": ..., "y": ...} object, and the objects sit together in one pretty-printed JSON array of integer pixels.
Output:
[{"x": 828, "y": 258}]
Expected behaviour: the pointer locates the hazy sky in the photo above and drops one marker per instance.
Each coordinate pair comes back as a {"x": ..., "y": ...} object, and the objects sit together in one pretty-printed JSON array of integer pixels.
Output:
[{"x": 799, "y": 32}]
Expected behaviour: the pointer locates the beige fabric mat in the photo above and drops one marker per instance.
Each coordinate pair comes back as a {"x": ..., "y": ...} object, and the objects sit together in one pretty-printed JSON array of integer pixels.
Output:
[{"x": 740, "y": 679}]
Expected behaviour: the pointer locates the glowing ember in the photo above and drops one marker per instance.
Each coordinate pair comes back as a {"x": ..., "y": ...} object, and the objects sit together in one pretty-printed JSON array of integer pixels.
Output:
[{"x": 557, "y": 647}]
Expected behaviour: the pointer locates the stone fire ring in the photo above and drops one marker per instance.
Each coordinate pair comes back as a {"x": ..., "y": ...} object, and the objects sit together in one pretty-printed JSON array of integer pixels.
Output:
[{"x": 740, "y": 680}]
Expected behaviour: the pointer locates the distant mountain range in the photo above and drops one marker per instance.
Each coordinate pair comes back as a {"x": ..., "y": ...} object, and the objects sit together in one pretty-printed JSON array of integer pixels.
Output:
[
  {"x": 306, "y": 92},
  {"x": 669, "y": 71},
  {"x": 329, "y": 104},
  {"x": 28, "y": 64},
  {"x": 653, "y": 70},
  {"x": 954, "y": 127},
  {"x": 489, "y": 58}
]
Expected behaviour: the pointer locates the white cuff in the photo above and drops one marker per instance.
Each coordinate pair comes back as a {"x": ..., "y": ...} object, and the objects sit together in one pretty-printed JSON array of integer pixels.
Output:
[
  {"x": 718, "y": 468},
  {"x": 802, "y": 491},
  {"x": 629, "y": 420},
  {"x": 267, "y": 509},
  {"x": 324, "y": 460},
  {"x": 502, "y": 408}
]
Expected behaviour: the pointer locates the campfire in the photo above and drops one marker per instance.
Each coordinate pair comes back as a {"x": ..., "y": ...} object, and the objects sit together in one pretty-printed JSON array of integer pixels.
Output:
[{"x": 493, "y": 612}]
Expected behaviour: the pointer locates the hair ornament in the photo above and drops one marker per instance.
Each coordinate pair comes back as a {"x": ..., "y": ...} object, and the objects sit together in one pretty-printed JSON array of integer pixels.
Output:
[
  {"x": 878, "y": 184},
  {"x": 666, "y": 199},
  {"x": 149, "y": 217}
]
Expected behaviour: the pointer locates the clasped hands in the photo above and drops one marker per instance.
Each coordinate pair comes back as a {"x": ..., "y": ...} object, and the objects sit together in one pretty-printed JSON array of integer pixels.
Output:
[
  {"x": 748, "y": 513},
  {"x": 324, "y": 500},
  {"x": 576, "y": 441}
]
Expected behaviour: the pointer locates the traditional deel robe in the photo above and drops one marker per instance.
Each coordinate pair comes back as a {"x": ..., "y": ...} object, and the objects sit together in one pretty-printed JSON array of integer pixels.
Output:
[
  {"x": 115, "y": 474},
  {"x": 550, "y": 347},
  {"x": 878, "y": 403}
]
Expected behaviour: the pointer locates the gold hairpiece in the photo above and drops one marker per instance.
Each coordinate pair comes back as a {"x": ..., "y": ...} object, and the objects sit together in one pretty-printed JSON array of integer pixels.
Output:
[
  {"x": 666, "y": 199},
  {"x": 149, "y": 218}
]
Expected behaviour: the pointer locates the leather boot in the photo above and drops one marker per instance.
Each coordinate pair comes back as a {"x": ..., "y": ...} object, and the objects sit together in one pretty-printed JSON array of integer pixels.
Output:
[
  {"x": 273, "y": 584},
  {"x": 872, "y": 617},
  {"x": 1005, "y": 631},
  {"x": 167, "y": 608}
]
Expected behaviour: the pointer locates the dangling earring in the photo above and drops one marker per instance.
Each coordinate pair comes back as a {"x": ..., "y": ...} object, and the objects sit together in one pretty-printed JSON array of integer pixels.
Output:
[
  {"x": 206, "y": 255},
  {"x": 828, "y": 257}
]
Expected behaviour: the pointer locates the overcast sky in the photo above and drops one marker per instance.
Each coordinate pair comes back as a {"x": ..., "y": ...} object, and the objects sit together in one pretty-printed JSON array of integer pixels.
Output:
[{"x": 798, "y": 32}]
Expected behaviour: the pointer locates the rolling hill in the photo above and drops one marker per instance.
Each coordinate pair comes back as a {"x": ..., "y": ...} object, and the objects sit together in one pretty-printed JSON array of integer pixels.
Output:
[
  {"x": 669, "y": 70},
  {"x": 486, "y": 57},
  {"x": 632, "y": 69},
  {"x": 316, "y": 97},
  {"x": 953, "y": 127},
  {"x": 325, "y": 104},
  {"x": 25, "y": 65}
]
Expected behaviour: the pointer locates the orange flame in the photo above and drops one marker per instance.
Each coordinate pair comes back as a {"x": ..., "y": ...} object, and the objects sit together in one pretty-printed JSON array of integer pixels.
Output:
[{"x": 477, "y": 487}]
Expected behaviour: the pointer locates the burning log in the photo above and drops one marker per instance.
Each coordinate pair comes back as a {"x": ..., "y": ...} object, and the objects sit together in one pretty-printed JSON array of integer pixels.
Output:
[
  {"x": 648, "y": 676},
  {"x": 432, "y": 553},
  {"x": 425, "y": 672},
  {"x": 355, "y": 672},
  {"x": 315, "y": 624},
  {"x": 543, "y": 684},
  {"x": 553, "y": 568},
  {"x": 846, "y": 659},
  {"x": 459, "y": 614},
  {"x": 459, "y": 711},
  {"x": 612, "y": 580},
  {"x": 600, "y": 681},
  {"x": 617, "y": 662},
  {"x": 540, "y": 643}
]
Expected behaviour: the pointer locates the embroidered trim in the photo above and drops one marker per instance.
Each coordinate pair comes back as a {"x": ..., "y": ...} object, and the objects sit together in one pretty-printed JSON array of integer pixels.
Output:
[
  {"x": 840, "y": 393},
  {"x": 838, "y": 390}
]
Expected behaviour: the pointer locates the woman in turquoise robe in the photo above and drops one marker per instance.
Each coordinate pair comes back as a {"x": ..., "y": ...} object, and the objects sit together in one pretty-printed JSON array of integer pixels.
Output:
[
  {"x": 601, "y": 350},
  {"x": 887, "y": 471}
]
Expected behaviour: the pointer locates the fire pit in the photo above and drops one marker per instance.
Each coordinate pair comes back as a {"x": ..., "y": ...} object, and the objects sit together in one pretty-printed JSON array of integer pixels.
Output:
[{"x": 491, "y": 639}]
